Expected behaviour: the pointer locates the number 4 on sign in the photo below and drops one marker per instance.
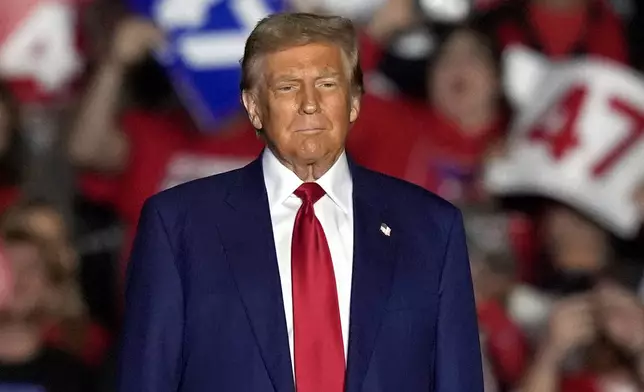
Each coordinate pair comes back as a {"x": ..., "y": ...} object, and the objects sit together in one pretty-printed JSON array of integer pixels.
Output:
[
  {"x": 564, "y": 138},
  {"x": 42, "y": 47}
]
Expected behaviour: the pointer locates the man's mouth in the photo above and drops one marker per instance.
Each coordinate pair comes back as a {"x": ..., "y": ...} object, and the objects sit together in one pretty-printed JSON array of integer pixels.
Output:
[{"x": 310, "y": 129}]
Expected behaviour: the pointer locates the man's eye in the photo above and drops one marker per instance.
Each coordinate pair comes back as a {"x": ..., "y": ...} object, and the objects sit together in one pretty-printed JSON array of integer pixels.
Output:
[
  {"x": 328, "y": 84},
  {"x": 285, "y": 88}
]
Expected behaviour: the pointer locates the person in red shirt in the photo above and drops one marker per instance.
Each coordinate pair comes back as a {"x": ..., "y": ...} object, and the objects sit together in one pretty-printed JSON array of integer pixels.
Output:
[
  {"x": 437, "y": 143},
  {"x": 493, "y": 276},
  {"x": 560, "y": 28},
  {"x": 131, "y": 154}
]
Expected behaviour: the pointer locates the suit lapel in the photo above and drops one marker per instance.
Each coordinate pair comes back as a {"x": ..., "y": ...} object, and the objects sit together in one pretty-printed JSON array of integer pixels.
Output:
[
  {"x": 250, "y": 249},
  {"x": 373, "y": 267}
]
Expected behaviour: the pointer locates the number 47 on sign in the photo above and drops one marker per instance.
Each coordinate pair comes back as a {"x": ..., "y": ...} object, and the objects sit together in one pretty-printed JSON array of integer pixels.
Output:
[{"x": 565, "y": 138}]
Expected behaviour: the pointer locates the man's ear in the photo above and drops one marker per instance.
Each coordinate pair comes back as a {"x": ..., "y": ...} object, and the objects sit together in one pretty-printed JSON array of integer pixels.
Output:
[
  {"x": 355, "y": 108},
  {"x": 251, "y": 104}
]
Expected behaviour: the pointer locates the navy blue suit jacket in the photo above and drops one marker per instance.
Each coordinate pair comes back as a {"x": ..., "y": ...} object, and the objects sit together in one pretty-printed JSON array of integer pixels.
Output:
[{"x": 204, "y": 307}]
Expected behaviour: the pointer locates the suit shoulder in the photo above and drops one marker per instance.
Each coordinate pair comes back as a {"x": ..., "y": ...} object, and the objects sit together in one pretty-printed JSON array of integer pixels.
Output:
[
  {"x": 404, "y": 194},
  {"x": 414, "y": 209},
  {"x": 184, "y": 197}
]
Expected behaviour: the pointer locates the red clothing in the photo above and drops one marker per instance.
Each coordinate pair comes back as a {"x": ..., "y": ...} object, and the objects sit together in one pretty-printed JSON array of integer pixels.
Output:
[
  {"x": 593, "y": 30},
  {"x": 383, "y": 137},
  {"x": 582, "y": 382},
  {"x": 410, "y": 141},
  {"x": 165, "y": 151},
  {"x": 505, "y": 343},
  {"x": 96, "y": 344},
  {"x": 557, "y": 31},
  {"x": 370, "y": 53},
  {"x": 523, "y": 233},
  {"x": 9, "y": 195}
]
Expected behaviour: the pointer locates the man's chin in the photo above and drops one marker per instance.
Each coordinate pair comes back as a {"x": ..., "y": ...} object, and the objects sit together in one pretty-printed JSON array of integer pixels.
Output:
[
  {"x": 310, "y": 158},
  {"x": 318, "y": 157}
]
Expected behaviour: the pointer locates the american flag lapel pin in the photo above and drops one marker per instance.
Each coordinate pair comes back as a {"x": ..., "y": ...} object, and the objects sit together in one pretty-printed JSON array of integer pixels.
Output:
[{"x": 386, "y": 230}]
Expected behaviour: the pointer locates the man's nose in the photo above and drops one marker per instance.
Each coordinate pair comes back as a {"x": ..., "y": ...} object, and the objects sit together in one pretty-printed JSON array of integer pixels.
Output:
[{"x": 309, "y": 100}]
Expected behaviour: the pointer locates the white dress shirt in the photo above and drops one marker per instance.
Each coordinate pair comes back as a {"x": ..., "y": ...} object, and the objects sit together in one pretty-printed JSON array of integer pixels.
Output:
[{"x": 335, "y": 213}]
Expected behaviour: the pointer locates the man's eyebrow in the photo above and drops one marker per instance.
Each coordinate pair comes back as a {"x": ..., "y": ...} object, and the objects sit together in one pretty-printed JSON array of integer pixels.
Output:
[
  {"x": 329, "y": 73},
  {"x": 285, "y": 77},
  {"x": 289, "y": 77}
]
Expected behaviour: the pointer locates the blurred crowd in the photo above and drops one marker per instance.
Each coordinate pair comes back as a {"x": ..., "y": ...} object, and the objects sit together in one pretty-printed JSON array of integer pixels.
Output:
[{"x": 559, "y": 293}]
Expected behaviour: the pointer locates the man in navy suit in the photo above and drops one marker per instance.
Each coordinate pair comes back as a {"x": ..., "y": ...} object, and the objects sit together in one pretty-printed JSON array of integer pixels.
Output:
[{"x": 301, "y": 271}]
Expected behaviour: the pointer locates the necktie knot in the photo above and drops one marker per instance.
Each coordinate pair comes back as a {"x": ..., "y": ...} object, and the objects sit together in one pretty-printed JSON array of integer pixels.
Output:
[{"x": 309, "y": 192}]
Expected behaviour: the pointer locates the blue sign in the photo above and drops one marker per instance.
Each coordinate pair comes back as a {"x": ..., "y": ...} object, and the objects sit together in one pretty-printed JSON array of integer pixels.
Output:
[{"x": 206, "y": 40}]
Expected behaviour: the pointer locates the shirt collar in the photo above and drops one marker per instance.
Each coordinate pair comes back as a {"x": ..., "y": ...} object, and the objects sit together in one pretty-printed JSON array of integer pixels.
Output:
[{"x": 281, "y": 182}]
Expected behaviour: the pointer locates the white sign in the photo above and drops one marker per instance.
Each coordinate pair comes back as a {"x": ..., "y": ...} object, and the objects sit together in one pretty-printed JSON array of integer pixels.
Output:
[
  {"x": 41, "y": 47},
  {"x": 523, "y": 72},
  {"x": 579, "y": 140},
  {"x": 446, "y": 11}
]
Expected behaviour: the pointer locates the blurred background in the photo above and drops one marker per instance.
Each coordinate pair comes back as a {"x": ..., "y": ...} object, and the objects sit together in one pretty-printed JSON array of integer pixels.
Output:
[{"x": 527, "y": 114}]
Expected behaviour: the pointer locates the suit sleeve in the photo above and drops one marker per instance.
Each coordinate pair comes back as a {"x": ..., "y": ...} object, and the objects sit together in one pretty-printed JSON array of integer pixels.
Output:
[
  {"x": 458, "y": 356},
  {"x": 150, "y": 352}
]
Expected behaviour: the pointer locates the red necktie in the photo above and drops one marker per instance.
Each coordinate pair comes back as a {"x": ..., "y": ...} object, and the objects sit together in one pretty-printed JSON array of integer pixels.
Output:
[{"x": 319, "y": 351}]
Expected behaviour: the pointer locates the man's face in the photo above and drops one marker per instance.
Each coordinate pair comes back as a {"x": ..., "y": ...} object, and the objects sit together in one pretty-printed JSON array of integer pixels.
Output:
[
  {"x": 463, "y": 80},
  {"x": 304, "y": 103}
]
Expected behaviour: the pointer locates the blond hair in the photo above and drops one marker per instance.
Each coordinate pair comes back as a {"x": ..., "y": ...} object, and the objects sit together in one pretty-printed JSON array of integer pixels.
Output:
[{"x": 284, "y": 30}]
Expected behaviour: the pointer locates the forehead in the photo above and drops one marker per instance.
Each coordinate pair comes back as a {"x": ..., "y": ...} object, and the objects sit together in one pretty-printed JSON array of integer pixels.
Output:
[
  {"x": 314, "y": 59},
  {"x": 463, "y": 42}
]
